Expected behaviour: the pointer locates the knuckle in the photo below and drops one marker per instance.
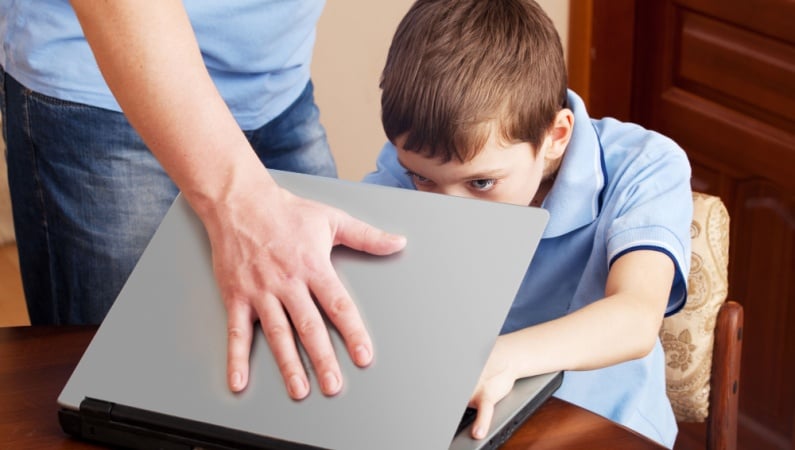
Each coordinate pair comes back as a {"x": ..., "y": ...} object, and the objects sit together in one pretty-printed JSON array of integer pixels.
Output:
[
  {"x": 236, "y": 333},
  {"x": 367, "y": 234},
  {"x": 284, "y": 276},
  {"x": 275, "y": 333},
  {"x": 311, "y": 264},
  {"x": 324, "y": 361},
  {"x": 307, "y": 327},
  {"x": 338, "y": 307},
  {"x": 290, "y": 367},
  {"x": 355, "y": 337},
  {"x": 233, "y": 296}
]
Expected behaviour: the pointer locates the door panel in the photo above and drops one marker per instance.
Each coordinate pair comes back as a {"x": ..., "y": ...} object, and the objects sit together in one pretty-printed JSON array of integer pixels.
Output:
[
  {"x": 718, "y": 76},
  {"x": 745, "y": 71},
  {"x": 773, "y": 18}
]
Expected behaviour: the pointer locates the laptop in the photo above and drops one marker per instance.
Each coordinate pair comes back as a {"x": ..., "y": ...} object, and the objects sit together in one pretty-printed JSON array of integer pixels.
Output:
[{"x": 154, "y": 375}]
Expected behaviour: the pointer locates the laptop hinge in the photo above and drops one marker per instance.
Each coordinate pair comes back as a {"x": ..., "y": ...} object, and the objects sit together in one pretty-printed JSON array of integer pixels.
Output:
[
  {"x": 96, "y": 408},
  {"x": 97, "y": 424},
  {"x": 129, "y": 427}
]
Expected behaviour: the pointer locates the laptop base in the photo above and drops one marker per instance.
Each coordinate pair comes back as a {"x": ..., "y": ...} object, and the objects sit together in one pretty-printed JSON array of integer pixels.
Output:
[{"x": 112, "y": 424}]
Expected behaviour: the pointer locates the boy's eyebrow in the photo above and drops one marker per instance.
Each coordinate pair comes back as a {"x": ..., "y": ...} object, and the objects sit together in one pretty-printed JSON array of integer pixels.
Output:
[
  {"x": 407, "y": 168},
  {"x": 493, "y": 173},
  {"x": 489, "y": 174}
]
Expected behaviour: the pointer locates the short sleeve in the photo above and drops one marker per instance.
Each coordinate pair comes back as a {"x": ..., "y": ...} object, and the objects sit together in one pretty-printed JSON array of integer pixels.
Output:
[{"x": 654, "y": 209}]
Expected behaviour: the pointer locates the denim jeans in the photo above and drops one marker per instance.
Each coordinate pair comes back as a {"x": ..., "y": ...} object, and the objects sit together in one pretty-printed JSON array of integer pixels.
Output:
[{"x": 87, "y": 194}]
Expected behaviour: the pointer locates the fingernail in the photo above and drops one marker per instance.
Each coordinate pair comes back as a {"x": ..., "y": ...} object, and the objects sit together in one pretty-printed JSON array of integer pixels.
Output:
[
  {"x": 479, "y": 433},
  {"x": 237, "y": 381},
  {"x": 330, "y": 383},
  {"x": 362, "y": 355},
  {"x": 297, "y": 387}
]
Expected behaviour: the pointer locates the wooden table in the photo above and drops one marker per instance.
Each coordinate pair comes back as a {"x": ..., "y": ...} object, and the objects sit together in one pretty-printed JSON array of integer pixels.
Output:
[{"x": 35, "y": 363}]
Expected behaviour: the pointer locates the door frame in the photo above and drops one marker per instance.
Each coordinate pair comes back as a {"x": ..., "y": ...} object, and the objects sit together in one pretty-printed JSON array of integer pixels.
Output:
[{"x": 601, "y": 55}]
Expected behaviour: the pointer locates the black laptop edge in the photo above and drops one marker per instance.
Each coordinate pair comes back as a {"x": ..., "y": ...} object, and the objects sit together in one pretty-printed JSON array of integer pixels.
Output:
[{"x": 113, "y": 424}]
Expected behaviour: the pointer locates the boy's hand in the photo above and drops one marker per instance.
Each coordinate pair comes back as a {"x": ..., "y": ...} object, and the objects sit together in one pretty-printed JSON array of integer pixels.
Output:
[{"x": 495, "y": 382}]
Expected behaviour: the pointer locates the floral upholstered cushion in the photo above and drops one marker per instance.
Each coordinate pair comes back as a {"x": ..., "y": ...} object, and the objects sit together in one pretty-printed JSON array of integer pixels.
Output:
[{"x": 687, "y": 336}]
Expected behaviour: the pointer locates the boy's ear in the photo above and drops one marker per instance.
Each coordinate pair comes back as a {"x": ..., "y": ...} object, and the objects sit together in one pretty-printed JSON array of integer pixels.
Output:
[{"x": 560, "y": 133}]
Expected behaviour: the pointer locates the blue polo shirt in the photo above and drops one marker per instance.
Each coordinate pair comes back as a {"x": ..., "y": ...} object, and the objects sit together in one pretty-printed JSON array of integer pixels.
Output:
[
  {"x": 257, "y": 52},
  {"x": 620, "y": 188}
]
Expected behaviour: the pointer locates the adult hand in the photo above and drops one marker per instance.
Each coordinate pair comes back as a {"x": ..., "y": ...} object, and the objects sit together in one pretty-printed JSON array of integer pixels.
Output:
[
  {"x": 271, "y": 250},
  {"x": 495, "y": 382},
  {"x": 271, "y": 256}
]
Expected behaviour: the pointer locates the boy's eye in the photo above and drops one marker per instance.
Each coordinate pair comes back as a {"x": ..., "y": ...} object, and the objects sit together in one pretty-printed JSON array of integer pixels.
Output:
[
  {"x": 419, "y": 179},
  {"x": 483, "y": 185}
]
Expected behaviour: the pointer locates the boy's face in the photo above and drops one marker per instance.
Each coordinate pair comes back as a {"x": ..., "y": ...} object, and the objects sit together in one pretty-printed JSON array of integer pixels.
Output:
[{"x": 502, "y": 173}]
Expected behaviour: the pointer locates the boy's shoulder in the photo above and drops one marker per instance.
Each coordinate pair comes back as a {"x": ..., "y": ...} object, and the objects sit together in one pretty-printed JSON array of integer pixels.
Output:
[
  {"x": 630, "y": 157},
  {"x": 627, "y": 144},
  {"x": 617, "y": 140},
  {"x": 615, "y": 133}
]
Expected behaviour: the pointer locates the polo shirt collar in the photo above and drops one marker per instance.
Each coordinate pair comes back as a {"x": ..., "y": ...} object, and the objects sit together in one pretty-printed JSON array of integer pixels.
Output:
[{"x": 575, "y": 198}]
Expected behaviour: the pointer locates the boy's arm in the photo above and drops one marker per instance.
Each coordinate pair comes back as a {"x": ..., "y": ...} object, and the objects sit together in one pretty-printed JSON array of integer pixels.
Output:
[{"x": 620, "y": 327}]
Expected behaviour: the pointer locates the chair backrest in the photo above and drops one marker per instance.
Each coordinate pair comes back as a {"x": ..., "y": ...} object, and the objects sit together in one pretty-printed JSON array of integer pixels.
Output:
[{"x": 703, "y": 341}]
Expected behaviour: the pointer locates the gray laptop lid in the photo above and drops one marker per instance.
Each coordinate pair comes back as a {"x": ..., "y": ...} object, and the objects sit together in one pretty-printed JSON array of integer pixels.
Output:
[{"x": 433, "y": 312}]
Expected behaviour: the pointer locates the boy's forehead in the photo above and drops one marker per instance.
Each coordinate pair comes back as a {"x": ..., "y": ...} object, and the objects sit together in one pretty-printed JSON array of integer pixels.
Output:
[
  {"x": 416, "y": 160},
  {"x": 491, "y": 160},
  {"x": 493, "y": 143}
]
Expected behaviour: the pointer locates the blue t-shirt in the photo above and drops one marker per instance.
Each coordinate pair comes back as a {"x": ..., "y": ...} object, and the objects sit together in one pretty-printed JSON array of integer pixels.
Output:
[
  {"x": 258, "y": 52},
  {"x": 619, "y": 188}
]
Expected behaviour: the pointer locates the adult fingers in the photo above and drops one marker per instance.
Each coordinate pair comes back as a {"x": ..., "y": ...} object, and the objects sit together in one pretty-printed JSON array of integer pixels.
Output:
[
  {"x": 343, "y": 313},
  {"x": 239, "y": 336},
  {"x": 279, "y": 334},
  {"x": 362, "y": 236},
  {"x": 313, "y": 334}
]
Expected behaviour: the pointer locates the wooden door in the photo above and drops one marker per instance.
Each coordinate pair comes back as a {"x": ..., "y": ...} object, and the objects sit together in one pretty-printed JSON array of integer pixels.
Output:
[{"x": 718, "y": 76}]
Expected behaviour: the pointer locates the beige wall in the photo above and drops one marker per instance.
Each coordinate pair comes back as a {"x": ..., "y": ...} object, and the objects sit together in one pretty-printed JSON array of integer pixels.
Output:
[{"x": 353, "y": 38}]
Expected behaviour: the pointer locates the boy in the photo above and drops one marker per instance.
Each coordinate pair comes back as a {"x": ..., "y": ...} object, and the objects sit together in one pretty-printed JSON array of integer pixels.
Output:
[{"x": 475, "y": 104}]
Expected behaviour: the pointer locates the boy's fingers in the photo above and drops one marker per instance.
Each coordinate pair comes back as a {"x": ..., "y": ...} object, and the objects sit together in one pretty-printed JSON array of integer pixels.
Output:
[{"x": 480, "y": 426}]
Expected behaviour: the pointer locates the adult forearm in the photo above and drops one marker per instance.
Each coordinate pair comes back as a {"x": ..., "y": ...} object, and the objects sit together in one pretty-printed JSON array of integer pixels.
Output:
[
  {"x": 151, "y": 61},
  {"x": 270, "y": 249}
]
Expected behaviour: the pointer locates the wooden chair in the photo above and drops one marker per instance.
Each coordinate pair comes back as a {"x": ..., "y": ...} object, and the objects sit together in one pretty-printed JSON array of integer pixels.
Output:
[{"x": 703, "y": 341}]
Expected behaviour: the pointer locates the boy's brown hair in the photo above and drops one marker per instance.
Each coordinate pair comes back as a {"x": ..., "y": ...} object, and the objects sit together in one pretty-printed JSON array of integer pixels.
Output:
[{"x": 459, "y": 69}]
